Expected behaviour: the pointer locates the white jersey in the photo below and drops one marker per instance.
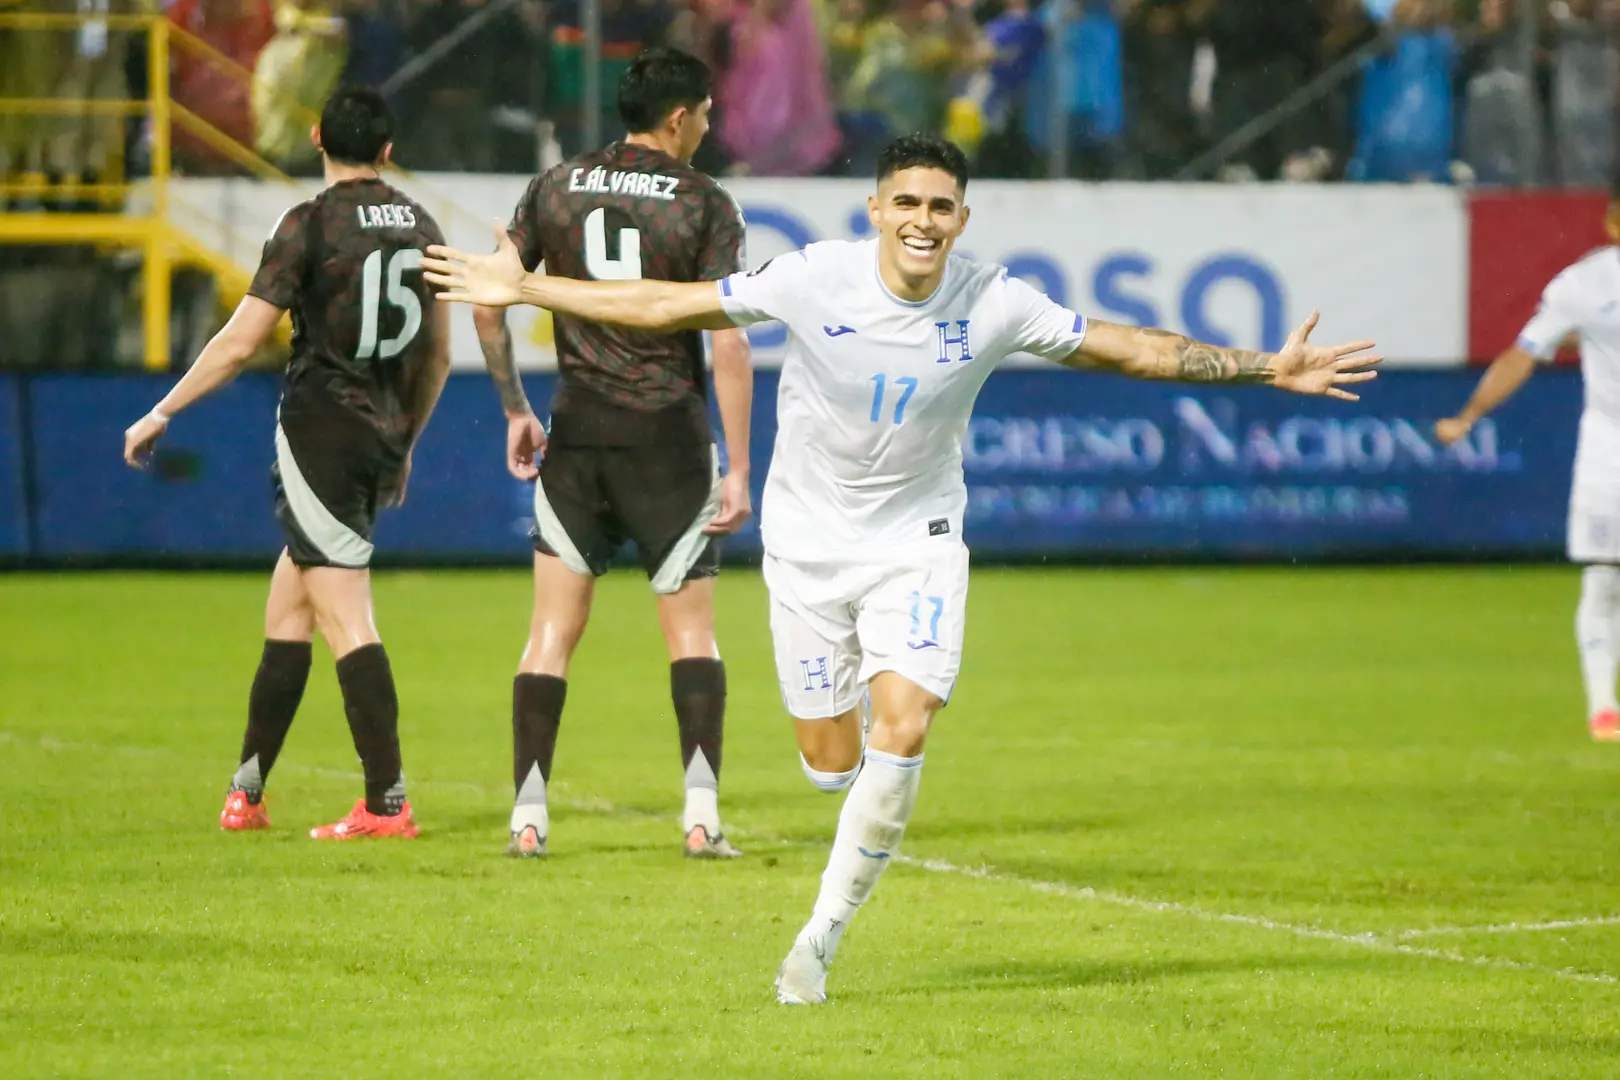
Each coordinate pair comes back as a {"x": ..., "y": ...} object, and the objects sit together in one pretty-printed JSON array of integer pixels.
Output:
[
  {"x": 1584, "y": 298},
  {"x": 876, "y": 392}
]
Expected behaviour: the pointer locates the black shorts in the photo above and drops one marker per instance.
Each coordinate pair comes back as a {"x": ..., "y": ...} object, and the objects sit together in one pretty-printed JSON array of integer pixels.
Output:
[
  {"x": 590, "y": 499},
  {"x": 330, "y": 477}
]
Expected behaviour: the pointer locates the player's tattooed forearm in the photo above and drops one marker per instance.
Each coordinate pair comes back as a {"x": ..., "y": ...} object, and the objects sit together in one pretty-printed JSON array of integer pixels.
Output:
[
  {"x": 1197, "y": 362},
  {"x": 502, "y": 363}
]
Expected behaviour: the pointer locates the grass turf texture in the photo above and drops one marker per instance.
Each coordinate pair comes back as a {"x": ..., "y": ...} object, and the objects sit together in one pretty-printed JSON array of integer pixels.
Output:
[{"x": 1271, "y": 779}]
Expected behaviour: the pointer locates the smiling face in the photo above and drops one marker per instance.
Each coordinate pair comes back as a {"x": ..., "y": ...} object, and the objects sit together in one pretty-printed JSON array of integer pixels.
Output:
[{"x": 918, "y": 214}]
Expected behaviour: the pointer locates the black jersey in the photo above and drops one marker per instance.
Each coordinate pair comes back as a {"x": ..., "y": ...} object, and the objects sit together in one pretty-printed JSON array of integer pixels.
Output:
[
  {"x": 347, "y": 263},
  {"x": 622, "y": 213}
]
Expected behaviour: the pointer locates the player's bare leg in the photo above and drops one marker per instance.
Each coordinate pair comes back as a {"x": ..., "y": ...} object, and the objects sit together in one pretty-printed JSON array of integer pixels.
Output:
[
  {"x": 697, "y": 686},
  {"x": 343, "y": 614},
  {"x": 830, "y": 750},
  {"x": 278, "y": 687},
  {"x": 562, "y": 607},
  {"x": 870, "y": 827}
]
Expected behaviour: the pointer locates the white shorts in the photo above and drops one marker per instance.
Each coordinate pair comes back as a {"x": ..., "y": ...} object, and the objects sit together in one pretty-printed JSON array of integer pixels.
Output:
[
  {"x": 837, "y": 624},
  {"x": 1594, "y": 498}
]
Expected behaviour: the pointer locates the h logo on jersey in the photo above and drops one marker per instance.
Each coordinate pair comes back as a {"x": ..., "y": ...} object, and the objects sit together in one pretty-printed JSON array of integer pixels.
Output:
[
  {"x": 948, "y": 342},
  {"x": 815, "y": 671}
]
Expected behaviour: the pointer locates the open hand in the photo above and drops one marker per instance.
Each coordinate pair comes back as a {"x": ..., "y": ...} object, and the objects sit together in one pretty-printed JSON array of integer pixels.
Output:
[
  {"x": 1322, "y": 369},
  {"x": 493, "y": 280}
]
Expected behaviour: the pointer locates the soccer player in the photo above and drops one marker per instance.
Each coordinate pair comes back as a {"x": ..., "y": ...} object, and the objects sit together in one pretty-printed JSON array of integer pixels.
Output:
[
  {"x": 370, "y": 354},
  {"x": 1580, "y": 300},
  {"x": 889, "y": 341},
  {"x": 629, "y": 454}
]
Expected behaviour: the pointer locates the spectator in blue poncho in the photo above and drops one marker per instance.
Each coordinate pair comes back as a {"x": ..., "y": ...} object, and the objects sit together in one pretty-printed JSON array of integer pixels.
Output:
[
  {"x": 1091, "y": 91},
  {"x": 1404, "y": 118}
]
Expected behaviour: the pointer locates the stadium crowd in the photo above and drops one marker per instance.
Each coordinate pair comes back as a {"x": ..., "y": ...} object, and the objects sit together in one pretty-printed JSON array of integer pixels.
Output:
[{"x": 1387, "y": 89}]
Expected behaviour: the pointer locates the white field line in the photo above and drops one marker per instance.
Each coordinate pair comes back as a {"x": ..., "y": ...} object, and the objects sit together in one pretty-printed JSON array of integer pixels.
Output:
[
  {"x": 1370, "y": 941},
  {"x": 1511, "y": 927}
]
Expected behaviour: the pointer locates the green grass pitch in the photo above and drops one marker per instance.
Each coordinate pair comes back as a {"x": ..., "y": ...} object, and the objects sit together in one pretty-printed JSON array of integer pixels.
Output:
[{"x": 1228, "y": 822}]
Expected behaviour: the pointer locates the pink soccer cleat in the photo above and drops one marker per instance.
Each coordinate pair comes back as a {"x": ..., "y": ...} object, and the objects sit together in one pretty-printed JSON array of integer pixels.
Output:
[
  {"x": 361, "y": 822},
  {"x": 1605, "y": 726},
  {"x": 240, "y": 815}
]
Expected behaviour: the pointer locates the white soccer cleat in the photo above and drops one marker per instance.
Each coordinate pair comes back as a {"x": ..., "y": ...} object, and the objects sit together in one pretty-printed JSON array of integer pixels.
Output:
[
  {"x": 527, "y": 843},
  {"x": 700, "y": 845},
  {"x": 802, "y": 978},
  {"x": 528, "y": 828}
]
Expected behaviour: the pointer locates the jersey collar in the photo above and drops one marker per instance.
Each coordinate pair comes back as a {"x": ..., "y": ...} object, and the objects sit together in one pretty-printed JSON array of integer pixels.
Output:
[{"x": 912, "y": 304}]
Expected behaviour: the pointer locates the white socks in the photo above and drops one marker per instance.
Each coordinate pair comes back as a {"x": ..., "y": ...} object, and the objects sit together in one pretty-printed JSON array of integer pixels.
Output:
[
  {"x": 869, "y": 830},
  {"x": 702, "y": 808},
  {"x": 829, "y": 781},
  {"x": 530, "y": 807},
  {"x": 1598, "y": 636}
]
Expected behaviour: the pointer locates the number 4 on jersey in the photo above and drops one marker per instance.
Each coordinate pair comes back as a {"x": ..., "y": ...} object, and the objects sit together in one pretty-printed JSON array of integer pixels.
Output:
[
  {"x": 615, "y": 257},
  {"x": 371, "y": 275}
]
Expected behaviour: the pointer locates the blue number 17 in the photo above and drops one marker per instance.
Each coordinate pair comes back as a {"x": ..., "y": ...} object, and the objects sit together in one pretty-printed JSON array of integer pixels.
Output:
[{"x": 908, "y": 387}]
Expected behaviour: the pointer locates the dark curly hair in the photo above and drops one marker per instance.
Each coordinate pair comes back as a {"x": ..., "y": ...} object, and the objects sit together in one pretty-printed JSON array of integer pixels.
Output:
[{"x": 924, "y": 151}]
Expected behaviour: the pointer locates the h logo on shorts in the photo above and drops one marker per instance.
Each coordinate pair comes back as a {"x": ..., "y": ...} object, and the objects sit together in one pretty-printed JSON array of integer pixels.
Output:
[
  {"x": 947, "y": 342},
  {"x": 816, "y": 669}
]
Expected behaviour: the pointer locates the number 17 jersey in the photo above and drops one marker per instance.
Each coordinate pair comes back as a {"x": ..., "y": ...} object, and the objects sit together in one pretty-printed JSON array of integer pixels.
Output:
[{"x": 876, "y": 392}]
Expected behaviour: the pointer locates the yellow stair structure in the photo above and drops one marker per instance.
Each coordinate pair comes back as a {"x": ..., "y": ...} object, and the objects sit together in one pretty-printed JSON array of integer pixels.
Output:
[{"x": 142, "y": 214}]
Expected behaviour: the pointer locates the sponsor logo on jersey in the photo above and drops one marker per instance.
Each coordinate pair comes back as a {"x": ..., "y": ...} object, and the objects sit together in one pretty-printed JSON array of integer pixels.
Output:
[
  {"x": 939, "y": 526},
  {"x": 637, "y": 185},
  {"x": 837, "y": 331},
  {"x": 386, "y": 216}
]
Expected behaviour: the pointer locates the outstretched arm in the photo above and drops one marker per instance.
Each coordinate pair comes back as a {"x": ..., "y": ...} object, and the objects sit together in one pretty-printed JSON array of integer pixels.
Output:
[
  {"x": 221, "y": 360},
  {"x": 498, "y": 280},
  {"x": 1501, "y": 380},
  {"x": 1298, "y": 366}
]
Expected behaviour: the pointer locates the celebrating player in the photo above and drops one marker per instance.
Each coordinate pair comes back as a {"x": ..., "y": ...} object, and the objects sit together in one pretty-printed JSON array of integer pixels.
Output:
[
  {"x": 890, "y": 340},
  {"x": 364, "y": 377},
  {"x": 1579, "y": 300},
  {"x": 629, "y": 454}
]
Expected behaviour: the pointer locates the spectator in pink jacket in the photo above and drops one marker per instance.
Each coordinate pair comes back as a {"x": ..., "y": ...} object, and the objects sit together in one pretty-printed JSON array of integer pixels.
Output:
[{"x": 776, "y": 112}]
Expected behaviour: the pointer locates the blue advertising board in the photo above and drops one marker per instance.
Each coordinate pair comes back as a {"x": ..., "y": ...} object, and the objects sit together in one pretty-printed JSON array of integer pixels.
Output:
[
  {"x": 13, "y": 484},
  {"x": 1061, "y": 464},
  {"x": 1058, "y": 465}
]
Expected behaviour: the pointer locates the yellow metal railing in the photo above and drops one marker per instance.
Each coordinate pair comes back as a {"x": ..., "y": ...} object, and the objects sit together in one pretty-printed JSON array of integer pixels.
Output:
[
  {"x": 150, "y": 232},
  {"x": 153, "y": 230}
]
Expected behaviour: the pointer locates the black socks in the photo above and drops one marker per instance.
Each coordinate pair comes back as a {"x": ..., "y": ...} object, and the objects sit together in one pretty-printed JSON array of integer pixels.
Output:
[
  {"x": 372, "y": 707},
  {"x": 698, "y": 689},
  {"x": 278, "y": 687},
  {"x": 537, "y": 705}
]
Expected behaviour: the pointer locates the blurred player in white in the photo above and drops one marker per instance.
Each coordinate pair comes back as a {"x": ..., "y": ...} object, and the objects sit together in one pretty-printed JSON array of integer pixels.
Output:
[
  {"x": 1584, "y": 299},
  {"x": 890, "y": 340}
]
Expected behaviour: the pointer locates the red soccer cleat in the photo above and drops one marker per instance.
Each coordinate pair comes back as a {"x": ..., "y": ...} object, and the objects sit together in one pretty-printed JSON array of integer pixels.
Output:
[
  {"x": 1605, "y": 726},
  {"x": 240, "y": 815},
  {"x": 361, "y": 822}
]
